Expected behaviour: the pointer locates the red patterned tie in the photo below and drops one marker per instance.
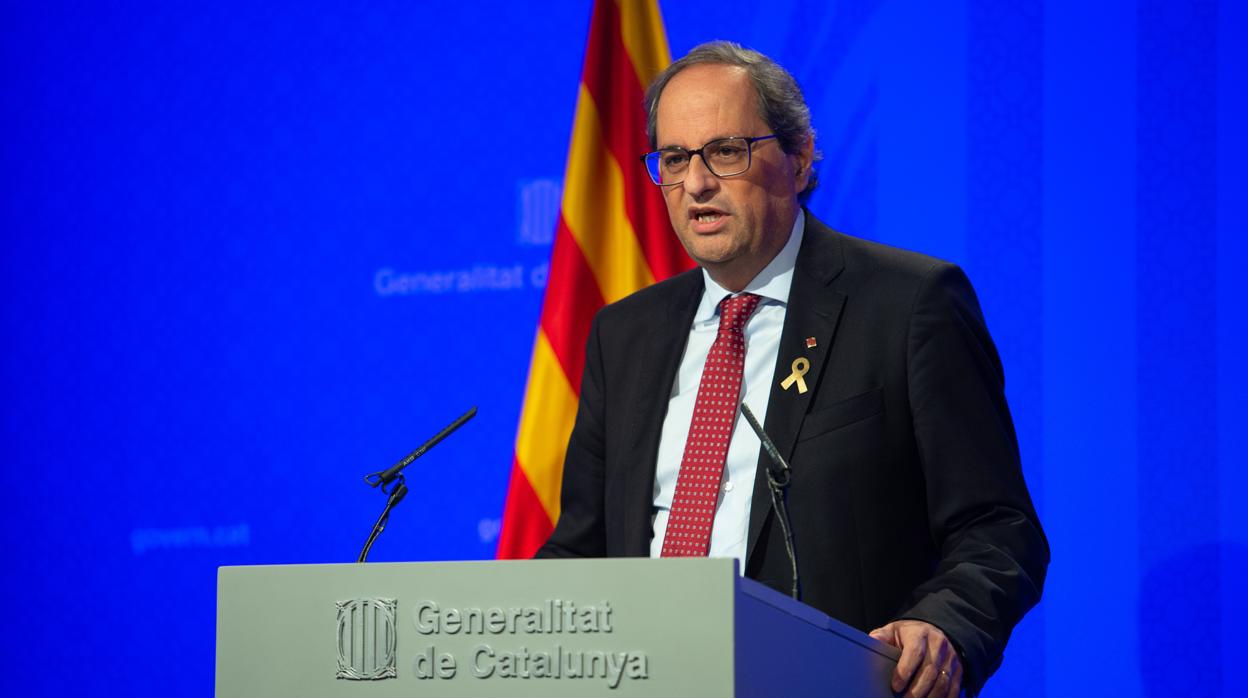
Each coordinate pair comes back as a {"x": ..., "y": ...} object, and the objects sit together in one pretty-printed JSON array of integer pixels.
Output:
[{"x": 697, "y": 486}]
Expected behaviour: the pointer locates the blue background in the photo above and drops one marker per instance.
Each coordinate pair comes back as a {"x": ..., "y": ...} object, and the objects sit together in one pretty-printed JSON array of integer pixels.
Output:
[{"x": 204, "y": 211}]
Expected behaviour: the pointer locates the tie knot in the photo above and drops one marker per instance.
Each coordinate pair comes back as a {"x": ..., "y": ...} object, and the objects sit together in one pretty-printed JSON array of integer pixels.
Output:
[{"x": 734, "y": 311}]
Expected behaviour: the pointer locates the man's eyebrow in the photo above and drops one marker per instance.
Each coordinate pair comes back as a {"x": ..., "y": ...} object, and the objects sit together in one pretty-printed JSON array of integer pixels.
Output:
[{"x": 712, "y": 140}]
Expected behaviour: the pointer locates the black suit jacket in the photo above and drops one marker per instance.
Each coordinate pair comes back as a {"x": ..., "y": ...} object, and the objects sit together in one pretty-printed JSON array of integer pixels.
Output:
[{"x": 907, "y": 498}]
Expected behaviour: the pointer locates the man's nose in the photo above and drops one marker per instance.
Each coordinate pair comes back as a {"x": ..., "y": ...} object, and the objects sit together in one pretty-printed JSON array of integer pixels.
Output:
[{"x": 698, "y": 179}]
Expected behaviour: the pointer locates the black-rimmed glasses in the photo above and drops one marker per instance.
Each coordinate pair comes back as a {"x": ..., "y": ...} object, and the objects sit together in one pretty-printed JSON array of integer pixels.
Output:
[{"x": 724, "y": 157}]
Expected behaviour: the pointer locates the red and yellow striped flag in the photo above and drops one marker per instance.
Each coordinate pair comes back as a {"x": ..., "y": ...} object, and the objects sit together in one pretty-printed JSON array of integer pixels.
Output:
[{"x": 614, "y": 237}]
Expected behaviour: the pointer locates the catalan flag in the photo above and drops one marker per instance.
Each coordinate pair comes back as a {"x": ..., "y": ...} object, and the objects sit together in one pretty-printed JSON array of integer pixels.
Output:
[{"x": 613, "y": 238}]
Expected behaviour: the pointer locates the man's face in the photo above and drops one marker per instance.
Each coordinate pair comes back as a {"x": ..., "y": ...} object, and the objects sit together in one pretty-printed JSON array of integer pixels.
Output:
[{"x": 731, "y": 226}]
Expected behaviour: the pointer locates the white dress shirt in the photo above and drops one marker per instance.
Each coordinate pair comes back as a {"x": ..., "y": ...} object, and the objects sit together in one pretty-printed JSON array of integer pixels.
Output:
[{"x": 762, "y": 342}]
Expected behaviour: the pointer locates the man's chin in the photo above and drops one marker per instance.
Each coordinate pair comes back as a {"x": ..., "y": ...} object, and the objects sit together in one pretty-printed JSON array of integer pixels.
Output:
[
  {"x": 712, "y": 259},
  {"x": 714, "y": 248}
]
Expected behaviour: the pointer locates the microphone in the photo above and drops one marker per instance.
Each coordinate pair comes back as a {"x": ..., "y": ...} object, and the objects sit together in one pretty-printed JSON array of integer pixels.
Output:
[
  {"x": 385, "y": 477},
  {"x": 778, "y": 477},
  {"x": 395, "y": 472},
  {"x": 769, "y": 446}
]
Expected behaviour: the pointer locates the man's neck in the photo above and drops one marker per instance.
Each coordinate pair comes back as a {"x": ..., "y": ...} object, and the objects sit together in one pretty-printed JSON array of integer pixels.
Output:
[{"x": 731, "y": 281}]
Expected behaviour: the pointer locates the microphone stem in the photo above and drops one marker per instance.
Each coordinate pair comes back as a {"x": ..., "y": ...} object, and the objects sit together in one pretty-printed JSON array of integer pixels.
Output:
[
  {"x": 778, "y": 501},
  {"x": 396, "y": 496},
  {"x": 778, "y": 479}
]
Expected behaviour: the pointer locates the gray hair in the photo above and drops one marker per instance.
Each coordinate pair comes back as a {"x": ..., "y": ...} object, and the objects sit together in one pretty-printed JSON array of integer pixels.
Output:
[{"x": 780, "y": 101}]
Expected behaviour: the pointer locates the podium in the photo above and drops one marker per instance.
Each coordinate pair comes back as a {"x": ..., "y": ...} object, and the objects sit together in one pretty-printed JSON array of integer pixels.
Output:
[{"x": 609, "y": 627}]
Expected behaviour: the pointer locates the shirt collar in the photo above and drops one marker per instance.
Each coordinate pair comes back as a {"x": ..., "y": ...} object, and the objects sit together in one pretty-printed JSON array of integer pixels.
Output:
[{"x": 772, "y": 283}]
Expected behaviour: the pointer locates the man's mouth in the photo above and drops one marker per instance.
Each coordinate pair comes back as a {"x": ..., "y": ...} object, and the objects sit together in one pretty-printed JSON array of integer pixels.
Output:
[{"x": 706, "y": 218}]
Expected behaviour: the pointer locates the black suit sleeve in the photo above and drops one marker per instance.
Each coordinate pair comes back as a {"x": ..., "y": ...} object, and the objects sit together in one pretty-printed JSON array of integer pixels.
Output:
[
  {"x": 993, "y": 553},
  {"x": 581, "y": 530}
]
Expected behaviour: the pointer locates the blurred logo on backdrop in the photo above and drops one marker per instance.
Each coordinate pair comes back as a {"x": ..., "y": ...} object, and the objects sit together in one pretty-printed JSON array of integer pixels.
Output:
[
  {"x": 537, "y": 215},
  {"x": 149, "y": 540},
  {"x": 537, "y": 211},
  {"x": 367, "y": 639},
  {"x": 487, "y": 529},
  {"x": 478, "y": 278}
]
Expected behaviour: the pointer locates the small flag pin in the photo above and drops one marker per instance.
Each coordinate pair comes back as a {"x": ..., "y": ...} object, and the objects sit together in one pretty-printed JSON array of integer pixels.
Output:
[{"x": 811, "y": 343}]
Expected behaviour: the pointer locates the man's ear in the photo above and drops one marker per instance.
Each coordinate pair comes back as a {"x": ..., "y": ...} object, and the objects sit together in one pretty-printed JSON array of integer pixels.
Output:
[{"x": 805, "y": 158}]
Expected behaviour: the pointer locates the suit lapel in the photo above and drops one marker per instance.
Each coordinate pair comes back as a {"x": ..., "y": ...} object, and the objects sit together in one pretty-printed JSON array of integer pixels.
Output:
[
  {"x": 666, "y": 332},
  {"x": 813, "y": 311}
]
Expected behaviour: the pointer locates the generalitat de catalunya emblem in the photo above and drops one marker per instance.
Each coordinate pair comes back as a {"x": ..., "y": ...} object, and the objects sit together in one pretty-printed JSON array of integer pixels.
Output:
[{"x": 367, "y": 638}]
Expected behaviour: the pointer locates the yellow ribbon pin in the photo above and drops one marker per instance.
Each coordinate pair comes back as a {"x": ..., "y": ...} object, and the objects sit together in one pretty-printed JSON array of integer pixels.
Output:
[{"x": 800, "y": 366}]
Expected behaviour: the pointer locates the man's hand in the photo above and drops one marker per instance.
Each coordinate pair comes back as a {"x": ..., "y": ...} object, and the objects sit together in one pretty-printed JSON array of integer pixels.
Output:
[{"x": 929, "y": 666}]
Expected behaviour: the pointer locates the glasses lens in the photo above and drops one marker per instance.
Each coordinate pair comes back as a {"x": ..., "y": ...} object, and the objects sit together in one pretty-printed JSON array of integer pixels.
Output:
[
  {"x": 654, "y": 168},
  {"x": 727, "y": 156},
  {"x": 672, "y": 165}
]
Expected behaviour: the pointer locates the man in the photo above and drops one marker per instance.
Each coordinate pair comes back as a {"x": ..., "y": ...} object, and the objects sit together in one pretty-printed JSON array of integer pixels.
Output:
[{"x": 878, "y": 378}]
